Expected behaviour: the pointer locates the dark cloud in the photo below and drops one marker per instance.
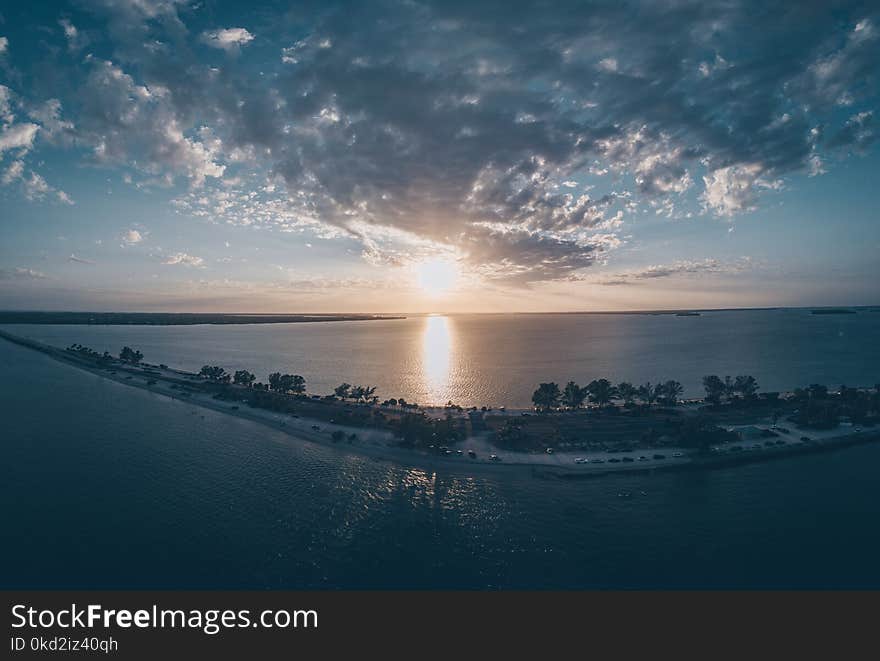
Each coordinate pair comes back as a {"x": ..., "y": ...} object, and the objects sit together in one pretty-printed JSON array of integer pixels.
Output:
[
  {"x": 679, "y": 268},
  {"x": 858, "y": 133},
  {"x": 414, "y": 126}
]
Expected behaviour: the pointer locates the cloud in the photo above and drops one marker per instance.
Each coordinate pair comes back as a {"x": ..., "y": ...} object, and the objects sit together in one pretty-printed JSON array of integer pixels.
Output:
[
  {"x": 32, "y": 184},
  {"x": 184, "y": 259},
  {"x": 228, "y": 39},
  {"x": 858, "y": 132},
  {"x": 364, "y": 125},
  {"x": 6, "y": 114},
  {"x": 125, "y": 122},
  {"x": 52, "y": 127},
  {"x": 13, "y": 172},
  {"x": 132, "y": 237},
  {"x": 18, "y": 136},
  {"x": 22, "y": 274},
  {"x": 79, "y": 260},
  {"x": 4, "y": 45},
  {"x": 732, "y": 190},
  {"x": 64, "y": 198},
  {"x": 677, "y": 269},
  {"x": 76, "y": 40}
]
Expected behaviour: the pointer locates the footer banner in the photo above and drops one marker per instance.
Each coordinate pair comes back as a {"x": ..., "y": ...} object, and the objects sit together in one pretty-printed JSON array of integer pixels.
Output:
[{"x": 281, "y": 624}]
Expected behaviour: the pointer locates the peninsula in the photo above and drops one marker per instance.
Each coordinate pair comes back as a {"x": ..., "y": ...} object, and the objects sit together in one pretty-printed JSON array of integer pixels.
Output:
[
  {"x": 578, "y": 431},
  {"x": 173, "y": 318}
]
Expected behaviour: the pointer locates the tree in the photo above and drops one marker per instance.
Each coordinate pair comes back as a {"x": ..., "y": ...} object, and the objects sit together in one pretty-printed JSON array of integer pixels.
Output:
[
  {"x": 627, "y": 392},
  {"x": 573, "y": 396},
  {"x": 343, "y": 391},
  {"x": 285, "y": 383},
  {"x": 601, "y": 391},
  {"x": 243, "y": 378},
  {"x": 715, "y": 389},
  {"x": 363, "y": 393},
  {"x": 647, "y": 393},
  {"x": 670, "y": 392},
  {"x": 547, "y": 396},
  {"x": 729, "y": 387},
  {"x": 214, "y": 373},
  {"x": 746, "y": 386},
  {"x": 295, "y": 383},
  {"x": 129, "y": 355},
  {"x": 817, "y": 391}
]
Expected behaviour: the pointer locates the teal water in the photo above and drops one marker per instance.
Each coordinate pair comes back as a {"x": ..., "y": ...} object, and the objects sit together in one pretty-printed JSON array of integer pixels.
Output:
[
  {"x": 102, "y": 485},
  {"x": 497, "y": 360}
]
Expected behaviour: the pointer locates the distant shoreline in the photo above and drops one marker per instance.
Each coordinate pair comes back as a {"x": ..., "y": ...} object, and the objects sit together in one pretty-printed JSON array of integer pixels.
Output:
[
  {"x": 50, "y": 317},
  {"x": 381, "y": 445},
  {"x": 175, "y": 318}
]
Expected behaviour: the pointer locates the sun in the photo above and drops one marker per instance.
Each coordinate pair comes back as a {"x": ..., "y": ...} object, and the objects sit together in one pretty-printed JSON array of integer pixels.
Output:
[{"x": 436, "y": 276}]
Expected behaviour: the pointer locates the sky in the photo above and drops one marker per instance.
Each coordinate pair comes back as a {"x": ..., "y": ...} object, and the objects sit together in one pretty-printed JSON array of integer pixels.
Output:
[{"x": 438, "y": 156}]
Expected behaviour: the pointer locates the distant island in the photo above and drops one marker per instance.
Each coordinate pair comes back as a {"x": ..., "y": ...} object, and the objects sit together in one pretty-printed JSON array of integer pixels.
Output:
[
  {"x": 572, "y": 430},
  {"x": 173, "y": 318}
]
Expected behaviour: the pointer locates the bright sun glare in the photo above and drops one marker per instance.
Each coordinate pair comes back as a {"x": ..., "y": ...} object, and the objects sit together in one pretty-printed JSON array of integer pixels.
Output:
[{"x": 436, "y": 276}]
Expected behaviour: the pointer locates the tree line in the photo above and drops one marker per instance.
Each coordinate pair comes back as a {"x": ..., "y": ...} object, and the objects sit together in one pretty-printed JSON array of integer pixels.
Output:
[
  {"x": 602, "y": 392},
  {"x": 725, "y": 390}
]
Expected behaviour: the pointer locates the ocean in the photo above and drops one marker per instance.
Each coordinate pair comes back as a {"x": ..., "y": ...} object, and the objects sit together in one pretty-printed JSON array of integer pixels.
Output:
[
  {"x": 497, "y": 360},
  {"x": 107, "y": 486}
]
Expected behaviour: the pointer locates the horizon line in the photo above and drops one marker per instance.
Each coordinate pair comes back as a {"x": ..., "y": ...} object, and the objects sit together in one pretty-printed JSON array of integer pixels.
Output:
[{"x": 428, "y": 313}]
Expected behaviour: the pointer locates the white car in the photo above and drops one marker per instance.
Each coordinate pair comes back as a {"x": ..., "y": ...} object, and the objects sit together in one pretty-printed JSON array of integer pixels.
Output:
[{"x": 677, "y": 454}]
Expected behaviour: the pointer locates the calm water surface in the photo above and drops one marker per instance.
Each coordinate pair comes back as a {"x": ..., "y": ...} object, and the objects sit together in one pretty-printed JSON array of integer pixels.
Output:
[
  {"x": 497, "y": 360},
  {"x": 102, "y": 485}
]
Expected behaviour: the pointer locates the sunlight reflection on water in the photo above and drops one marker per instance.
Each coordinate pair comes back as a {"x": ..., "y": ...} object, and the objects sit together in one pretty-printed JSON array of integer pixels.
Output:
[{"x": 437, "y": 342}]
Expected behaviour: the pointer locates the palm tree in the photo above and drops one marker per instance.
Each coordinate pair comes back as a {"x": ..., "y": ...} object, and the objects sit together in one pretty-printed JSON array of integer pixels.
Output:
[
  {"x": 648, "y": 393},
  {"x": 715, "y": 388},
  {"x": 343, "y": 391},
  {"x": 362, "y": 393},
  {"x": 627, "y": 392},
  {"x": 670, "y": 392},
  {"x": 729, "y": 387},
  {"x": 573, "y": 396},
  {"x": 601, "y": 391},
  {"x": 746, "y": 386}
]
